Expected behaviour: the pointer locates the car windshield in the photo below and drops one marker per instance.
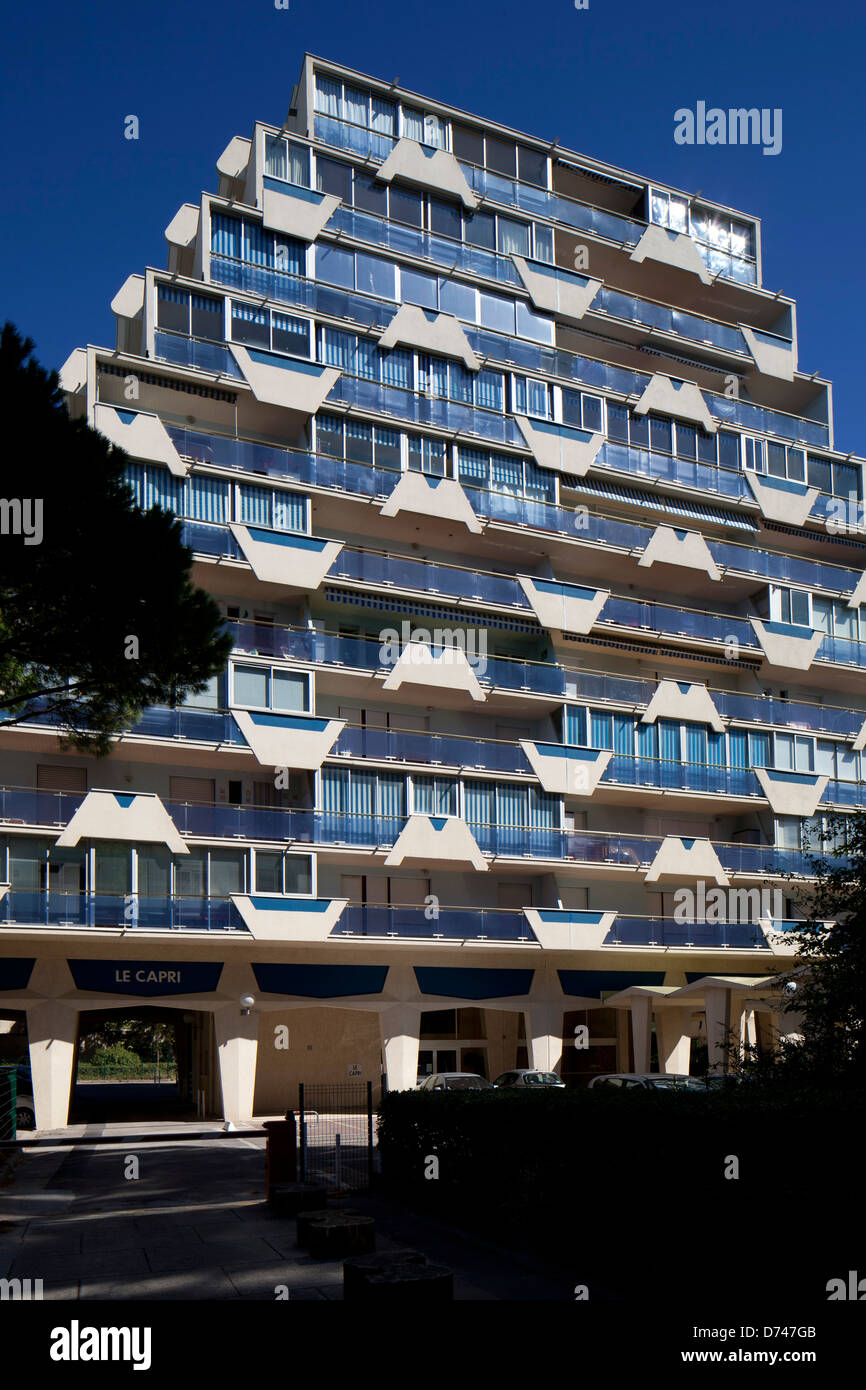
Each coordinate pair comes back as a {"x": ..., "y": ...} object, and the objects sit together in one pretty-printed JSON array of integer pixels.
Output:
[
  {"x": 467, "y": 1083},
  {"x": 540, "y": 1078}
]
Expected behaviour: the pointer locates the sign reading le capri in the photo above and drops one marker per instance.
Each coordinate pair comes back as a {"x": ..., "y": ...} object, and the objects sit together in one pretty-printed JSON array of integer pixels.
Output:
[{"x": 146, "y": 976}]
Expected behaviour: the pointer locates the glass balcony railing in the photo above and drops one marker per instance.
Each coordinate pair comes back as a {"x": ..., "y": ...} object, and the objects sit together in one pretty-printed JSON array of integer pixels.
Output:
[
  {"x": 306, "y": 644},
  {"x": 429, "y": 578},
  {"x": 285, "y": 825},
  {"x": 451, "y": 923},
  {"x": 20, "y": 907},
  {"x": 664, "y": 775},
  {"x": 458, "y": 256},
  {"x": 441, "y": 750},
  {"x": 195, "y": 352},
  {"x": 528, "y": 198},
  {"x": 665, "y": 931},
  {"x": 415, "y": 409},
  {"x": 450, "y": 255},
  {"x": 199, "y": 725},
  {"x": 680, "y": 622}
]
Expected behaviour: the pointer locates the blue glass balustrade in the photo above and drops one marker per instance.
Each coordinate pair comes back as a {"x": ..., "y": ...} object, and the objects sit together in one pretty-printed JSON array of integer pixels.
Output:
[
  {"x": 452, "y": 923},
  {"x": 665, "y": 931},
  {"x": 451, "y": 255},
  {"x": 440, "y": 749},
  {"x": 528, "y": 198},
  {"x": 319, "y": 470},
  {"x": 287, "y": 826},
  {"x": 665, "y": 775},
  {"x": 112, "y": 910},
  {"x": 194, "y": 352},
  {"x": 201, "y": 725},
  {"x": 305, "y": 644},
  {"x": 429, "y": 578}
]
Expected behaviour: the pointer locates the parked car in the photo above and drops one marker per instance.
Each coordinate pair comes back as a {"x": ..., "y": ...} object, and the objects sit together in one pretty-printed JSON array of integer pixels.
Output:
[
  {"x": 454, "y": 1081},
  {"x": 526, "y": 1078},
  {"x": 647, "y": 1081}
]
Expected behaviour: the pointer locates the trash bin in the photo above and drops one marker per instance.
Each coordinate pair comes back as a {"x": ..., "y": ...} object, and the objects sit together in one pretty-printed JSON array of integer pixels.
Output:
[{"x": 281, "y": 1153}]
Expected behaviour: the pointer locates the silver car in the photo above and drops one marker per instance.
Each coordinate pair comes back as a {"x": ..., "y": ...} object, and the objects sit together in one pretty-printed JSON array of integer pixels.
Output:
[
  {"x": 647, "y": 1081},
  {"x": 454, "y": 1081},
  {"x": 528, "y": 1078}
]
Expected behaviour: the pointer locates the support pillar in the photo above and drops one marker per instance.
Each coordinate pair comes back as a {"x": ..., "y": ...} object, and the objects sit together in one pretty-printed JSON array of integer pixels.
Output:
[
  {"x": 400, "y": 1026},
  {"x": 641, "y": 1019},
  {"x": 748, "y": 1031},
  {"x": 674, "y": 1042},
  {"x": 717, "y": 1003},
  {"x": 543, "y": 1023},
  {"x": 237, "y": 1049},
  {"x": 52, "y": 1031}
]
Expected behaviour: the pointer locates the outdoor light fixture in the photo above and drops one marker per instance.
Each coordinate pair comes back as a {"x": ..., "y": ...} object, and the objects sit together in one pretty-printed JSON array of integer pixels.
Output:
[
  {"x": 247, "y": 1002},
  {"x": 791, "y": 987}
]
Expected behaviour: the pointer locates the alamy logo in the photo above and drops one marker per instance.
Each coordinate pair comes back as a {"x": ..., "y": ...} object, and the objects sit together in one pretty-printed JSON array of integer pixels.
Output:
[
  {"x": 737, "y": 126},
  {"x": 733, "y": 905},
  {"x": 443, "y": 643},
  {"x": 854, "y": 1291},
  {"x": 20, "y": 1290},
  {"x": 77, "y": 1343},
  {"x": 22, "y": 516}
]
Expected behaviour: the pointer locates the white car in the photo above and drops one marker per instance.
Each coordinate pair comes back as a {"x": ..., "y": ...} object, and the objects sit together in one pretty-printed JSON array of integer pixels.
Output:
[
  {"x": 454, "y": 1081},
  {"x": 647, "y": 1081}
]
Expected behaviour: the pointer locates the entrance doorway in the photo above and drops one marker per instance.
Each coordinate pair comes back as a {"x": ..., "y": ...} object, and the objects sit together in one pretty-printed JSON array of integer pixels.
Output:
[{"x": 144, "y": 1064}]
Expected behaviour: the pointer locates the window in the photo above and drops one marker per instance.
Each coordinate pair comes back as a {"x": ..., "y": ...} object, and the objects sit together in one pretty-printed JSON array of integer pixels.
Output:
[
  {"x": 287, "y": 160},
  {"x": 791, "y": 606},
  {"x": 200, "y": 790},
  {"x": 61, "y": 779},
  {"x": 513, "y": 237},
  {"x": 356, "y": 105},
  {"x": 334, "y": 176},
  {"x": 276, "y": 872},
  {"x": 586, "y": 412},
  {"x": 358, "y": 442},
  {"x": 269, "y": 687},
  {"x": 194, "y": 315},
  {"x": 531, "y": 397},
  {"x": 269, "y": 329},
  {"x": 240, "y": 239},
  {"x": 427, "y": 455}
]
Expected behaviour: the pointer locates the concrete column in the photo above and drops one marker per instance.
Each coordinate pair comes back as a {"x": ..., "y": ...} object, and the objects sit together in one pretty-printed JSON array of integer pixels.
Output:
[
  {"x": 52, "y": 1031},
  {"x": 237, "y": 1048},
  {"x": 748, "y": 1030},
  {"x": 623, "y": 1061},
  {"x": 641, "y": 1018},
  {"x": 674, "y": 1042},
  {"x": 400, "y": 1025},
  {"x": 717, "y": 1003},
  {"x": 543, "y": 1023}
]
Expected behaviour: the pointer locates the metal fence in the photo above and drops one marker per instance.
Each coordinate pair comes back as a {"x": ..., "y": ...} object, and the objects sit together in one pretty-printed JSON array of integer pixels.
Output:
[
  {"x": 8, "y": 1101},
  {"x": 336, "y": 1134}
]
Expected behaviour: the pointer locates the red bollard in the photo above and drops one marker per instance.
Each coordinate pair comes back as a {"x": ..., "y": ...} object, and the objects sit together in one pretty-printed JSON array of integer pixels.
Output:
[{"x": 281, "y": 1154}]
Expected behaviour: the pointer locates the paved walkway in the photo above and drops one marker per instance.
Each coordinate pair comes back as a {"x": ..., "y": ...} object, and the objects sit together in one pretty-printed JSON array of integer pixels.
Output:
[{"x": 194, "y": 1225}]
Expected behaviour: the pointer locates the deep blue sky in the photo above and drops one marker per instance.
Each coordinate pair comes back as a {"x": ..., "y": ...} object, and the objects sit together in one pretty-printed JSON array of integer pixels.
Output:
[{"x": 85, "y": 207}]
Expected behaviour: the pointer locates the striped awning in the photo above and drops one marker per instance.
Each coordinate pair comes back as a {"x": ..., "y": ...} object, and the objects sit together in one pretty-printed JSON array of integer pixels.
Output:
[{"x": 676, "y": 506}]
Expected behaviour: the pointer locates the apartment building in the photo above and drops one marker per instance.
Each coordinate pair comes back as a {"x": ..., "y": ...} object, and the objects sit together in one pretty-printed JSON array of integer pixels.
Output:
[{"x": 545, "y": 581}]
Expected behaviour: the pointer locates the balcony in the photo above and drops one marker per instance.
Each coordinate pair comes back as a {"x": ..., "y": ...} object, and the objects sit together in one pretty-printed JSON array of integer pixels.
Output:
[
  {"x": 451, "y": 924},
  {"x": 428, "y": 578},
  {"x": 526, "y": 197},
  {"x": 322, "y": 648},
  {"x": 266, "y": 824},
  {"x": 438, "y": 750},
  {"x": 665, "y": 932},
  {"x": 22, "y": 908}
]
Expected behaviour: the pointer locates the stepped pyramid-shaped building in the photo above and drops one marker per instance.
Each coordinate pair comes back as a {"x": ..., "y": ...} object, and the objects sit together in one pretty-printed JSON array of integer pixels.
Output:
[{"x": 545, "y": 585}]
